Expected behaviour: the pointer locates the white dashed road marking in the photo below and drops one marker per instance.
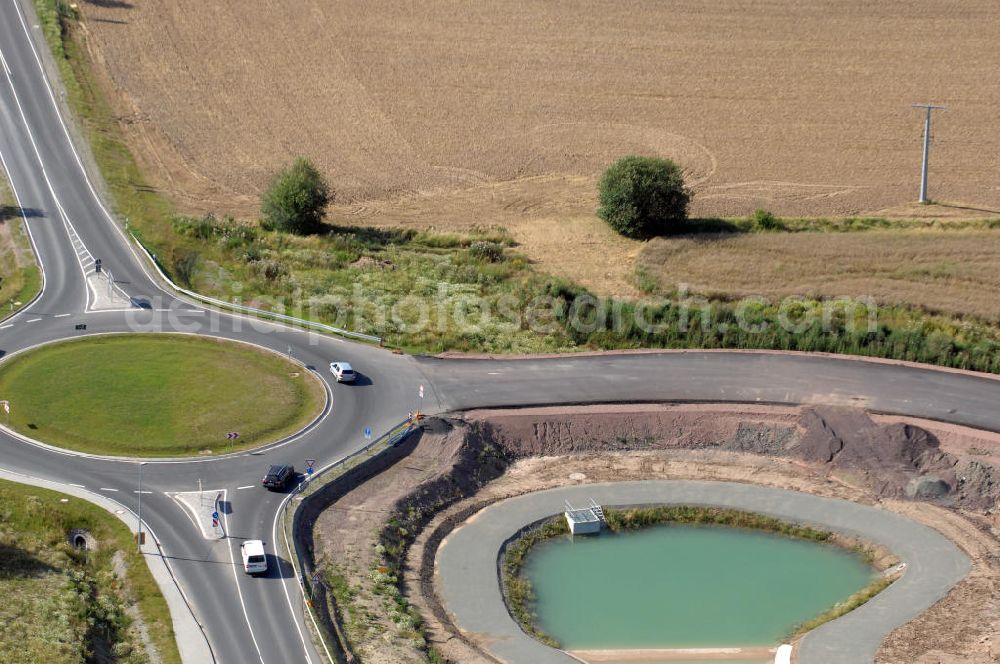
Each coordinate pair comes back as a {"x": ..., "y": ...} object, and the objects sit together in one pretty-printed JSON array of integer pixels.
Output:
[
  {"x": 61, "y": 315},
  {"x": 104, "y": 488},
  {"x": 249, "y": 486}
]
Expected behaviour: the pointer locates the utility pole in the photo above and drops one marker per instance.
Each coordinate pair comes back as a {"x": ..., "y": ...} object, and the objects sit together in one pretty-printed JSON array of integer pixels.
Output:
[{"x": 927, "y": 148}]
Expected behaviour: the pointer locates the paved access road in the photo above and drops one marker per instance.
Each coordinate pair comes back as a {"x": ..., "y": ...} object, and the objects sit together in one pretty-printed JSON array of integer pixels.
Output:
[{"x": 248, "y": 620}]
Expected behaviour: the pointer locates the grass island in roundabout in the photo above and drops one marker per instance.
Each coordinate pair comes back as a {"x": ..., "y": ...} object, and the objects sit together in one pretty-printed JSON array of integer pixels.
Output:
[
  {"x": 732, "y": 576},
  {"x": 156, "y": 395}
]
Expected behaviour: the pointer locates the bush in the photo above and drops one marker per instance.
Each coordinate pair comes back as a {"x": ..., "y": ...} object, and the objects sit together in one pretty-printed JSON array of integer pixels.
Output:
[
  {"x": 766, "y": 221},
  {"x": 643, "y": 196},
  {"x": 296, "y": 200},
  {"x": 485, "y": 250}
]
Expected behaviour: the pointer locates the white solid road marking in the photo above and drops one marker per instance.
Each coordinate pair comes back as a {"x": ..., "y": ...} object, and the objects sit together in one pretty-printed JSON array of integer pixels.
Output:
[
  {"x": 104, "y": 488},
  {"x": 284, "y": 584},
  {"x": 248, "y": 486},
  {"x": 62, "y": 315},
  {"x": 239, "y": 592}
]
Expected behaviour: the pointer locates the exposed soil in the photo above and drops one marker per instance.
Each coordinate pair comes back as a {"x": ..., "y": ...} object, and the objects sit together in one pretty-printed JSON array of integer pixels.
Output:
[
  {"x": 851, "y": 456},
  {"x": 449, "y": 115}
]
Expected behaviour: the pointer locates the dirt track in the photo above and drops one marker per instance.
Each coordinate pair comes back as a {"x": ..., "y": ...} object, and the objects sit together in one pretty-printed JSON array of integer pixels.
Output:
[{"x": 801, "y": 107}]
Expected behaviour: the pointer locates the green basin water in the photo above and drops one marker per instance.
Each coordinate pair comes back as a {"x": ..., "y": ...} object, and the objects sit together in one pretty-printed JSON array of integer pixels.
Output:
[{"x": 686, "y": 587}]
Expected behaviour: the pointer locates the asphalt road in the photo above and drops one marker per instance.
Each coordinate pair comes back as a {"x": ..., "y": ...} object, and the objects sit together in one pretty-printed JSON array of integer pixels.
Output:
[{"x": 261, "y": 619}]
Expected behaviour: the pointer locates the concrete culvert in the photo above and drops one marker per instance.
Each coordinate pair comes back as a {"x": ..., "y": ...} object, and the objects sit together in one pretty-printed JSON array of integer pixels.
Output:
[{"x": 82, "y": 539}]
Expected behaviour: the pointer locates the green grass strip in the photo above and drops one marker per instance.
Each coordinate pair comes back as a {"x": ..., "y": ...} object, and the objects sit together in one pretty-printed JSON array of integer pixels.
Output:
[{"x": 61, "y": 603}]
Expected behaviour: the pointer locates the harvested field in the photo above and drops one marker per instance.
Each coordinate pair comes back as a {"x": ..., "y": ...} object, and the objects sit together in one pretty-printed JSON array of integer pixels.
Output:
[
  {"x": 952, "y": 272},
  {"x": 450, "y": 114}
]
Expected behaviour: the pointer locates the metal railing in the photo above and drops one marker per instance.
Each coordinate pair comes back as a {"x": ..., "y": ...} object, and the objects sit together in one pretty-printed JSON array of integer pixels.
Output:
[{"x": 309, "y": 579}]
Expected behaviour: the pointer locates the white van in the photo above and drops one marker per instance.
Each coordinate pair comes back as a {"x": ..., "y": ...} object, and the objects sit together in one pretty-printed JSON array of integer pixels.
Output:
[{"x": 254, "y": 560}]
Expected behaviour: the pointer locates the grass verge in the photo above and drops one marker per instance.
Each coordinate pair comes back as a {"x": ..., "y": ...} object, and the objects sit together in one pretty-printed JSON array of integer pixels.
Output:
[
  {"x": 156, "y": 395},
  {"x": 841, "y": 608},
  {"x": 520, "y": 596},
  {"x": 20, "y": 278},
  {"x": 62, "y": 605}
]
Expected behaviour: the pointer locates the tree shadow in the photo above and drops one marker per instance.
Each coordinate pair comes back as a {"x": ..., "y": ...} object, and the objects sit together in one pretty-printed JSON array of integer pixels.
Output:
[
  {"x": 369, "y": 236},
  {"x": 16, "y": 212},
  {"x": 16, "y": 563},
  {"x": 700, "y": 225}
]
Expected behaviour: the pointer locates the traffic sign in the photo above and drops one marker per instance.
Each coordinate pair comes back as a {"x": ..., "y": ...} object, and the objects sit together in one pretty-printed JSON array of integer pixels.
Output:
[
  {"x": 215, "y": 515},
  {"x": 309, "y": 470},
  {"x": 232, "y": 435},
  {"x": 368, "y": 432}
]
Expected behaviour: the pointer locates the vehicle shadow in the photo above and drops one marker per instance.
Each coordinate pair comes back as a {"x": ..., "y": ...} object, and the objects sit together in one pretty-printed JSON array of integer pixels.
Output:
[
  {"x": 360, "y": 380},
  {"x": 278, "y": 568}
]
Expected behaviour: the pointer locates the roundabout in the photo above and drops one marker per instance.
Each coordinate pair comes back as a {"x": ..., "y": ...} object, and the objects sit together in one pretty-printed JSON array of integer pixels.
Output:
[
  {"x": 217, "y": 613},
  {"x": 157, "y": 395}
]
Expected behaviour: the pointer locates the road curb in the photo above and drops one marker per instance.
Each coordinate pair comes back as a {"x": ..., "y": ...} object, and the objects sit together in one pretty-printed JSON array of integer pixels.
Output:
[{"x": 327, "y": 407}]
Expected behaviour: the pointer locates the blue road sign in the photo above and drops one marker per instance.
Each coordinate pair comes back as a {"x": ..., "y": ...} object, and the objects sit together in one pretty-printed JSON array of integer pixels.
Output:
[
  {"x": 368, "y": 432},
  {"x": 215, "y": 515},
  {"x": 309, "y": 470}
]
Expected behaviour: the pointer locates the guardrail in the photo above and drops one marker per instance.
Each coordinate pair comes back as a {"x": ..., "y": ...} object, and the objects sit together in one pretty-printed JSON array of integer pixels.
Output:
[
  {"x": 313, "y": 588},
  {"x": 253, "y": 310}
]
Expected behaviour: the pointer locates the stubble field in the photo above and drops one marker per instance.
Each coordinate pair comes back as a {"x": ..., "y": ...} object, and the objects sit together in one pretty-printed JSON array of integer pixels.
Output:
[{"x": 453, "y": 114}]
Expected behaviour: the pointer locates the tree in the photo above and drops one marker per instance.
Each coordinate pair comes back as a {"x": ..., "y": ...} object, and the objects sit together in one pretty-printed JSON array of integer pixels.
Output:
[
  {"x": 296, "y": 200},
  {"x": 643, "y": 196}
]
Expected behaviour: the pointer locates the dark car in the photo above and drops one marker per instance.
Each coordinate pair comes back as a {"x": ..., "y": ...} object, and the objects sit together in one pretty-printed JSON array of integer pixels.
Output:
[{"x": 278, "y": 477}]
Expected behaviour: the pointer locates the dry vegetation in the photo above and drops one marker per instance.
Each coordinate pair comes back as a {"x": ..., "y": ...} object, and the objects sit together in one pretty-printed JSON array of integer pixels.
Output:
[
  {"x": 450, "y": 115},
  {"x": 952, "y": 272},
  {"x": 19, "y": 276}
]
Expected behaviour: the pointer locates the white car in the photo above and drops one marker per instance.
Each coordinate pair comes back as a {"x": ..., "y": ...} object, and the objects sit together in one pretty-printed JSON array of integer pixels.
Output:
[
  {"x": 343, "y": 372},
  {"x": 254, "y": 558}
]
